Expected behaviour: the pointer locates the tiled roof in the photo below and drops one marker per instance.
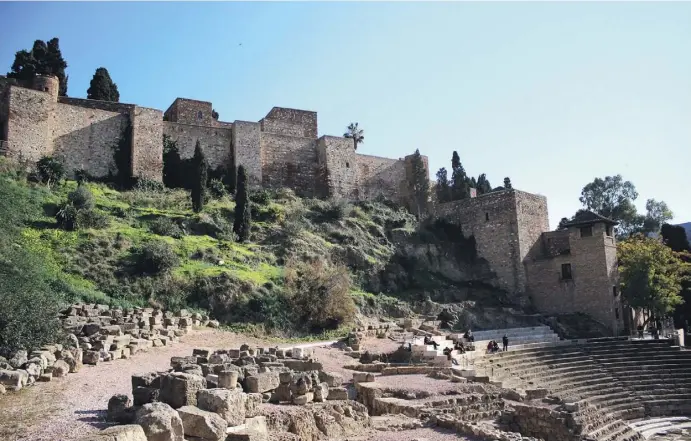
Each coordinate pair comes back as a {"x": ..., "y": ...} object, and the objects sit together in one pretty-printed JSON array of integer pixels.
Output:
[{"x": 587, "y": 218}]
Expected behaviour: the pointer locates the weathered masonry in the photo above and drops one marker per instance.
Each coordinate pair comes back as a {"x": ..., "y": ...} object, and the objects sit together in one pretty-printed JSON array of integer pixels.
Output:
[
  {"x": 282, "y": 150},
  {"x": 564, "y": 271}
]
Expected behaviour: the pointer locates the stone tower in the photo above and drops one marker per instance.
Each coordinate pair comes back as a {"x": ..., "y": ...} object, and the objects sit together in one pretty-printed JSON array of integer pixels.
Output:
[{"x": 47, "y": 83}]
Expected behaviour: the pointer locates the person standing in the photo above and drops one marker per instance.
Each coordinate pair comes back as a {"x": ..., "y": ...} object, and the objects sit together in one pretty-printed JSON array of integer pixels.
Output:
[{"x": 505, "y": 341}]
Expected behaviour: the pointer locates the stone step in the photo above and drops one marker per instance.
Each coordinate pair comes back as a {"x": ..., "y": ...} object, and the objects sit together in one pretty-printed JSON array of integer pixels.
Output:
[{"x": 606, "y": 429}]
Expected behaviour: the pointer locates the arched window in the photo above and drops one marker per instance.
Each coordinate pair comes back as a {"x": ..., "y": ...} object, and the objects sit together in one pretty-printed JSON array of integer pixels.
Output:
[{"x": 200, "y": 115}]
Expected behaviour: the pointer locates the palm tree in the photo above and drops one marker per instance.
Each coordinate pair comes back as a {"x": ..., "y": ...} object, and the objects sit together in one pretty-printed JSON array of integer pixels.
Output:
[{"x": 355, "y": 133}]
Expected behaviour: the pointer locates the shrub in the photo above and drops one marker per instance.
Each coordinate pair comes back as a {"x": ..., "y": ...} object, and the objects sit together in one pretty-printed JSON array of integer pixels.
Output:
[
  {"x": 261, "y": 197},
  {"x": 217, "y": 188},
  {"x": 156, "y": 257},
  {"x": 319, "y": 294},
  {"x": 67, "y": 217},
  {"x": 81, "y": 198},
  {"x": 92, "y": 219},
  {"x": 148, "y": 185},
  {"x": 165, "y": 226},
  {"x": 30, "y": 306},
  {"x": 50, "y": 170}
]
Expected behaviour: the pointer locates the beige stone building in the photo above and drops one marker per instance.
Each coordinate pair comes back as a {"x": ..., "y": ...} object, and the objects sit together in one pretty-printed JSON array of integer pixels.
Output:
[{"x": 564, "y": 271}]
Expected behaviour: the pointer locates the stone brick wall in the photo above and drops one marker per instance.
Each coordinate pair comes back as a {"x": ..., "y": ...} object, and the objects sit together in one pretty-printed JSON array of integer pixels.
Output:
[
  {"x": 492, "y": 220},
  {"x": 593, "y": 270},
  {"x": 247, "y": 151},
  {"x": 289, "y": 161},
  {"x": 187, "y": 111},
  {"x": 532, "y": 220},
  {"x": 338, "y": 157},
  {"x": 291, "y": 122},
  {"x": 147, "y": 143},
  {"x": 216, "y": 142},
  {"x": 86, "y": 138},
  {"x": 381, "y": 177},
  {"x": 30, "y": 119}
]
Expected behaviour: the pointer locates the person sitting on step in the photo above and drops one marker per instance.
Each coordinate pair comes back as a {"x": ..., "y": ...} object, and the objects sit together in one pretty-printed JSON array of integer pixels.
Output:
[
  {"x": 490, "y": 347},
  {"x": 469, "y": 336},
  {"x": 429, "y": 341},
  {"x": 495, "y": 346}
]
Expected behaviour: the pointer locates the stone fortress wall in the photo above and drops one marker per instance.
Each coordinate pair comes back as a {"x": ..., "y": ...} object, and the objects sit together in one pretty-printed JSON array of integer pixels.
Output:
[
  {"x": 281, "y": 150},
  {"x": 284, "y": 149}
]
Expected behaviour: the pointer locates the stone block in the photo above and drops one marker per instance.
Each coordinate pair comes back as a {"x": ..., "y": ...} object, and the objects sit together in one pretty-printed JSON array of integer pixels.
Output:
[
  {"x": 229, "y": 404},
  {"x": 160, "y": 422},
  {"x": 301, "y": 400},
  {"x": 130, "y": 432},
  {"x": 202, "y": 424},
  {"x": 263, "y": 382},
  {"x": 321, "y": 392},
  {"x": 144, "y": 395},
  {"x": 228, "y": 379},
  {"x": 252, "y": 405},
  {"x": 180, "y": 389},
  {"x": 91, "y": 357},
  {"x": 337, "y": 393},
  {"x": 332, "y": 379},
  {"x": 362, "y": 377}
]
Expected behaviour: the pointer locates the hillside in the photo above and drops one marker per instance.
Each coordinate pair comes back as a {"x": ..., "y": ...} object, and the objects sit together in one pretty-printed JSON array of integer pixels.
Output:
[{"x": 306, "y": 258}]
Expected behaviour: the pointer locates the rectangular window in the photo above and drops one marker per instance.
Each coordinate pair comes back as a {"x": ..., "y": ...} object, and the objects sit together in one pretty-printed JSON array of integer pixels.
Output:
[
  {"x": 615, "y": 291},
  {"x": 566, "y": 271},
  {"x": 616, "y": 313},
  {"x": 486, "y": 216},
  {"x": 586, "y": 231},
  {"x": 609, "y": 230}
]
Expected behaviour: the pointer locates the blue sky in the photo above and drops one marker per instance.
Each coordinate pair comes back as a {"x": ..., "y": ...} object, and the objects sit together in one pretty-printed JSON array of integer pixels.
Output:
[{"x": 550, "y": 94}]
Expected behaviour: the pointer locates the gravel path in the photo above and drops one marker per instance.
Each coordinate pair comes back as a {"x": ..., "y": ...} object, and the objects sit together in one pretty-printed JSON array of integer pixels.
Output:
[
  {"x": 423, "y": 434},
  {"x": 70, "y": 407}
]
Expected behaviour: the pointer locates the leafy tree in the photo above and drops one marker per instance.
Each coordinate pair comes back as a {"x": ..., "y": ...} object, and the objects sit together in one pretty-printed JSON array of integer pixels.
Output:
[
  {"x": 651, "y": 274},
  {"x": 243, "y": 220},
  {"x": 562, "y": 223},
  {"x": 507, "y": 184},
  {"x": 102, "y": 87},
  {"x": 657, "y": 213},
  {"x": 460, "y": 188},
  {"x": 43, "y": 59},
  {"x": 199, "y": 187},
  {"x": 675, "y": 237},
  {"x": 50, "y": 170},
  {"x": 483, "y": 185},
  {"x": 442, "y": 188},
  {"x": 214, "y": 114},
  {"x": 355, "y": 133},
  {"x": 419, "y": 185}
]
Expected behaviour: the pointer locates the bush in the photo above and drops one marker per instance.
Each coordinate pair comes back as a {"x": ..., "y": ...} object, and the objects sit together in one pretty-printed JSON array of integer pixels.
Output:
[
  {"x": 67, "y": 217},
  {"x": 81, "y": 198},
  {"x": 165, "y": 226},
  {"x": 261, "y": 197},
  {"x": 148, "y": 185},
  {"x": 92, "y": 219},
  {"x": 30, "y": 306},
  {"x": 217, "y": 188},
  {"x": 50, "y": 170},
  {"x": 156, "y": 257},
  {"x": 319, "y": 295}
]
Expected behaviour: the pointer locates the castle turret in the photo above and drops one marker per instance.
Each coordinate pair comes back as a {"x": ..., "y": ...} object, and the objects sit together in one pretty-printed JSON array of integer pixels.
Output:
[{"x": 47, "y": 83}]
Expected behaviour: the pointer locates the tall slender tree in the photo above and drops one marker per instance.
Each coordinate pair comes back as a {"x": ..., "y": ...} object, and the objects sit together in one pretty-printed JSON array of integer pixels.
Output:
[
  {"x": 442, "y": 188},
  {"x": 483, "y": 185},
  {"x": 419, "y": 185},
  {"x": 43, "y": 59},
  {"x": 460, "y": 185},
  {"x": 199, "y": 188},
  {"x": 102, "y": 87},
  {"x": 243, "y": 219},
  {"x": 355, "y": 133}
]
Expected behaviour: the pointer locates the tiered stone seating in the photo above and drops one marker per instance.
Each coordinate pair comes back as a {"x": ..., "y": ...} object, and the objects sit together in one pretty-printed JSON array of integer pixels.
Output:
[
  {"x": 658, "y": 374},
  {"x": 518, "y": 337},
  {"x": 623, "y": 379},
  {"x": 659, "y": 426}
]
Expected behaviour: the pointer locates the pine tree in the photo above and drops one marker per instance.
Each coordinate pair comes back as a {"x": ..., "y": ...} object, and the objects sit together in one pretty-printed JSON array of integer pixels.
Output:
[
  {"x": 199, "y": 188},
  {"x": 419, "y": 185},
  {"x": 102, "y": 87},
  {"x": 442, "y": 189},
  {"x": 507, "y": 184},
  {"x": 43, "y": 59},
  {"x": 483, "y": 186},
  {"x": 243, "y": 220},
  {"x": 460, "y": 187}
]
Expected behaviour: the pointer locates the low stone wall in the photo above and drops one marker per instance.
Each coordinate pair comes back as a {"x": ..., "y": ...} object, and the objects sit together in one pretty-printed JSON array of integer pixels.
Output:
[
  {"x": 94, "y": 334},
  {"x": 542, "y": 422}
]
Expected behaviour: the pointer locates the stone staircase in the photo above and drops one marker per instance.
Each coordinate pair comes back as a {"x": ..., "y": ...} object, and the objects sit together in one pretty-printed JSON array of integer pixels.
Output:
[
  {"x": 622, "y": 379},
  {"x": 661, "y": 426},
  {"x": 519, "y": 338}
]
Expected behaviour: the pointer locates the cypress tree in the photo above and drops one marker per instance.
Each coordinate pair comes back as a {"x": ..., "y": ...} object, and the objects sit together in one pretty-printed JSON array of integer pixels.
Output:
[
  {"x": 199, "y": 187},
  {"x": 43, "y": 59},
  {"x": 442, "y": 188},
  {"x": 102, "y": 87},
  {"x": 460, "y": 186},
  {"x": 419, "y": 185},
  {"x": 243, "y": 221}
]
